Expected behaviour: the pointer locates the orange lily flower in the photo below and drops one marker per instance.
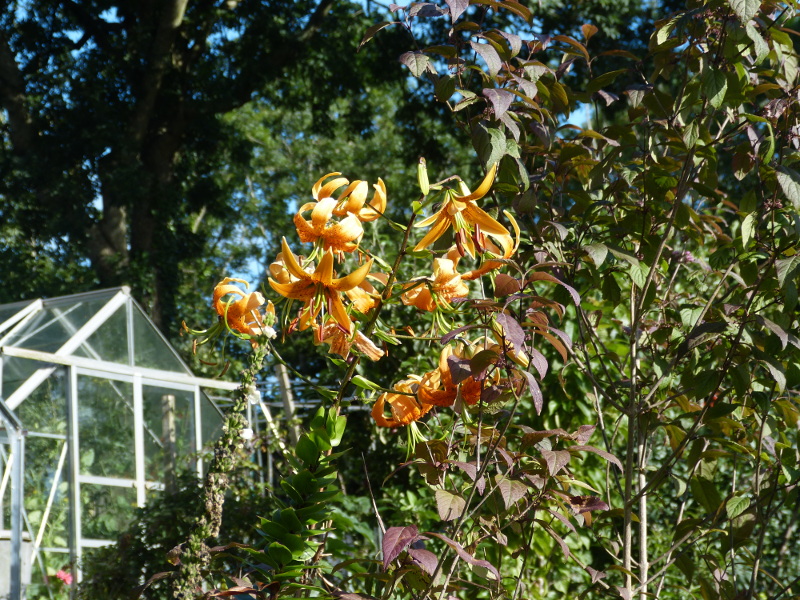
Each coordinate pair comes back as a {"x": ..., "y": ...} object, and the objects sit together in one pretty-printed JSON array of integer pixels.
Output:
[
  {"x": 336, "y": 236},
  {"x": 353, "y": 198},
  {"x": 364, "y": 296},
  {"x": 427, "y": 293},
  {"x": 437, "y": 387},
  {"x": 467, "y": 219},
  {"x": 404, "y": 407},
  {"x": 242, "y": 315},
  {"x": 493, "y": 250},
  {"x": 318, "y": 287},
  {"x": 341, "y": 341}
]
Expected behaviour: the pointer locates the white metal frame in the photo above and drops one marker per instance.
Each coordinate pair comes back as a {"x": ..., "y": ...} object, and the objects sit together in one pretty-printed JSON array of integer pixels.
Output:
[{"x": 76, "y": 366}]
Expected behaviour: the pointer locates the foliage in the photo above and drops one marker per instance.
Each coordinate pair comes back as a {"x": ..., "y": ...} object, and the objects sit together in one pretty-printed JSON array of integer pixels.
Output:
[{"x": 598, "y": 394}]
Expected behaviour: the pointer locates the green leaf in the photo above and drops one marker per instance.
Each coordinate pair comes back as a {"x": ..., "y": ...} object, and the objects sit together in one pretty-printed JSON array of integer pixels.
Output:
[
  {"x": 449, "y": 505},
  {"x": 745, "y": 9},
  {"x": 444, "y": 88},
  {"x": 789, "y": 180},
  {"x": 307, "y": 450},
  {"x": 748, "y": 228},
  {"x": 760, "y": 45},
  {"x": 690, "y": 134},
  {"x": 280, "y": 553},
  {"x": 489, "y": 143},
  {"x": 715, "y": 84},
  {"x": 736, "y": 506},
  {"x": 597, "y": 252},
  {"x": 705, "y": 492},
  {"x": 786, "y": 268},
  {"x": 364, "y": 383}
]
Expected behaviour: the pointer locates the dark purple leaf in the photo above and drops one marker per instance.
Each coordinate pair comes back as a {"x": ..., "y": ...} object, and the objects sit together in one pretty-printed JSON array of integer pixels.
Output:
[
  {"x": 395, "y": 541},
  {"x": 595, "y": 574},
  {"x": 490, "y": 394},
  {"x": 584, "y": 433},
  {"x": 449, "y": 336},
  {"x": 489, "y": 55},
  {"x": 514, "y": 42},
  {"x": 539, "y": 362},
  {"x": 450, "y": 506},
  {"x": 607, "y": 455},
  {"x": 536, "y": 392},
  {"x": 563, "y": 519},
  {"x": 556, "y": 460},
  {"x": 624, "y": 593},
  {"x": 609, "y": 99},
  {"x": 512, "y": 126},
  {"x": 471, "y": 469},
  {"x": 426, "y": 559},
  {"x": 372, "y": 31},
  {"x": 500, "y": 99},
  {"x": 783, "y": 336},
  {"x": 556, "y": 537},
  {"x": 564, "y": 337},
  {"x": 457, "y": 8},
  {"x": 459, "y": 368},
  {"x": 509, "y": 460},
  {"x": 540, "y": 276},
  {"x": 396, "y": 7},
  {"x": 544, "y": 40},
  {"x": 466, "y": 556},
  {"x": 510, "y": 491},
  {"x": 528, "y": 87},
  {"x": 583, "y": 504},
  {"x": 482, "y": 361},
  {"x": 425, "y": 9},
  {"x": 512, "y": 331},
  {"x": 417, "y": 62}
]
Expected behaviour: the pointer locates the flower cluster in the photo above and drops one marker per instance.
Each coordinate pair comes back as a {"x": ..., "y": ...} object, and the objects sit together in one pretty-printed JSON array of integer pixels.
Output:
[{"x": 335, "y": 228}]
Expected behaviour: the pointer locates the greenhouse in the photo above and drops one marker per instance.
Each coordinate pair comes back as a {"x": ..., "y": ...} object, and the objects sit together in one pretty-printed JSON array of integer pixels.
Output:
[{"x": 97, "y": 411}]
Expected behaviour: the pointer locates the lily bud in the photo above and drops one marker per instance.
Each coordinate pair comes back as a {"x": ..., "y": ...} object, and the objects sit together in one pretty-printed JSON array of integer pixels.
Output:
[{"x": 422, "y": 177}]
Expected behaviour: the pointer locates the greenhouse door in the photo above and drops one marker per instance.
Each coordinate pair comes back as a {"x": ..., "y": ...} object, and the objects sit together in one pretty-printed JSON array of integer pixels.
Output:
[{"x": 127, "y": 436}]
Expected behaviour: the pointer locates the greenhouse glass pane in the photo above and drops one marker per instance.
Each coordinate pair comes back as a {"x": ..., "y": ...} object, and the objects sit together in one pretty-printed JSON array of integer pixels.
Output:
[
  {"x": 149, "y": 348},
  {"x": 5, "y": 472},
  {"x": 105, "y": 427},
  {"x": 110, "y": 341},
  {"x": 42, "y": 477},
  {"x": 106, "y": 510},
  {"x": 210, "y": 421},
  {"x": 15, "y": 371},
  {"x": 51, "y": 328},
  {"x": 169, "y": 430},
  {"x": 45, "y": 409},
  {"x": 42, "y": 583}
]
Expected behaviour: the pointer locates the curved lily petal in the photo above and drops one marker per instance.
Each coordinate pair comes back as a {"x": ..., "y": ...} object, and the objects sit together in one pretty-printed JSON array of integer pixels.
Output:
[
  {"x": 350, "y": 281},
  {"x": 316, "y": 187},
  {"x": 484, "y": 187},
  {"x": 291, "y": 263},
  {"x": 326, "y": 191}
]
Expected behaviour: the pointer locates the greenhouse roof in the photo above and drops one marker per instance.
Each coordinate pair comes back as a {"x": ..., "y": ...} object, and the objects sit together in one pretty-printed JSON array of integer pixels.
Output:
[{"x": 103, "y": 330}]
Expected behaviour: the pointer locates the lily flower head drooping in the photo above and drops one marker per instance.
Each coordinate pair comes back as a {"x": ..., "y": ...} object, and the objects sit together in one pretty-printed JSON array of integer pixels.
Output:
[
  {"x": 341, "y": 342},
  {"x": 428, "y": 293},
  {"x": 404, "y": 406},
  {"x": 338, "y": 236},
  {"x": 353, "y": 199},
  {"x": 440, "y": 389},
  {"x": 319, "y": 288},
  {"x": 469, "y": 222}
]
